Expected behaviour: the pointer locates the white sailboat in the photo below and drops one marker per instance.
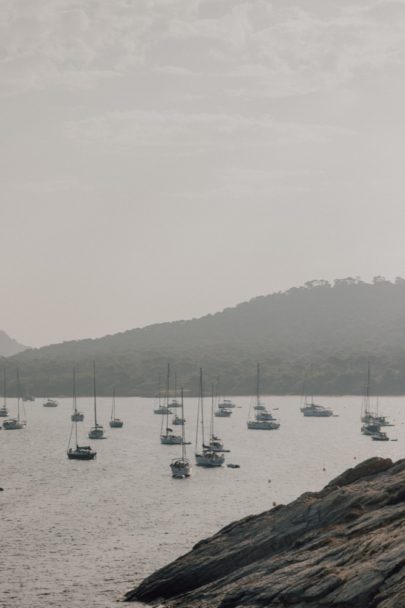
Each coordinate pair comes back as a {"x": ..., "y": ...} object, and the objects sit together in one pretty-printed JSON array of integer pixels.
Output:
[
  {"x": 310, "y": 409},
  {"x": 3, "y": 408},
  {"x": 15, "y": 424},
  {"x": 78, "y": 452},
  {"x": 115, "y": 423},
  {"x": 262, "y": 420},
  {"x": 206, "y": 457},
  {"x": 167, "y": 436},
  {"x": 181, "y": 467},
  {"x": 97, "y": 431}
]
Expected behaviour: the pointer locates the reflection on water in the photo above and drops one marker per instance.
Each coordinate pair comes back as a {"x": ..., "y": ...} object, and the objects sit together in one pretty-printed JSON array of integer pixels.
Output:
[{"x": 82, "y": 533}]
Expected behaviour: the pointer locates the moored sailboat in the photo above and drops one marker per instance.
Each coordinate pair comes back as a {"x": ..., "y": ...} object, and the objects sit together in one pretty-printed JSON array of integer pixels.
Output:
[
  {"x": 206, "y": 457},
  {"x": 76, "y": 416},
  {"x": 167, "y": 436},
  {"x": 181, "y": 467},
  {"x": 115, "y": 423},
  {"x": 78, "y": 452},
  {"x": 263, "y": 420},
  {"x": 15, "y": 424},
  {"x": 97, "y": 431},
  {"x": 3, "y": 408}
]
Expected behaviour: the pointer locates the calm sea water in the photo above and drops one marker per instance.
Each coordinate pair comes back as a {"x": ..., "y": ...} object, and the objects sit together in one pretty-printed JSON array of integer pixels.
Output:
[{"x": 83, "y": 533}]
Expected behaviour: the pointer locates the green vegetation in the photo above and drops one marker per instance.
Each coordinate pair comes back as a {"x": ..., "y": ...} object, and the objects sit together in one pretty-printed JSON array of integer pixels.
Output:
[{"x": 334, "y": 329}]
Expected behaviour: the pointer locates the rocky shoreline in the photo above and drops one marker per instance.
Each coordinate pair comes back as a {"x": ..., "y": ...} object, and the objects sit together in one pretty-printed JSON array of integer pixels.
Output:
[{"x": 341, "y": 547}]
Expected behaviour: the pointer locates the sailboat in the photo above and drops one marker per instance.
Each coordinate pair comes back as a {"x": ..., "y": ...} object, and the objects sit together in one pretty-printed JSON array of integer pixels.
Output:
[
  {"x": 97, "y": 431},
  {"x": 215, "y": 443},
  {"x": 76, "y": 416},
  {"x": 372, "y": 421},
  {"x": 162, "y": 410},
  {"x": 3, "y": 409},
  {"x": 79, "y": 452},
  {"x": 181, "y": 467},
  {"x": 50, "y": 403},
  {"x": 115, "y": 423},
  {"x": 226, "y": 404},
  {"x": 174, "y": 402},
  {"x": 263, "y": 420},
  {"x": 206, "y": 457},
  {"x": 168, "y": 437},
  {"x": 13, "y": 424},
  {"x": 310, "y": 409}
]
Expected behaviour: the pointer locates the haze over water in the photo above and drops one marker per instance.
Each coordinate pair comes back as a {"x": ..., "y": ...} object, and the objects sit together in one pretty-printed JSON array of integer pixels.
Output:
[{"x": 84, "y": 533}]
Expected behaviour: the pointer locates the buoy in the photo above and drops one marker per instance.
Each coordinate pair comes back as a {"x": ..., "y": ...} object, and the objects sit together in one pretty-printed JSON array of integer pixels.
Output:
[{"x": 274, "y": 503}]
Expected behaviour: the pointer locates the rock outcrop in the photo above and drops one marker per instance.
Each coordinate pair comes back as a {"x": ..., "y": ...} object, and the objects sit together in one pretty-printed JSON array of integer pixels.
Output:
[{"x": 341, "y": 547}]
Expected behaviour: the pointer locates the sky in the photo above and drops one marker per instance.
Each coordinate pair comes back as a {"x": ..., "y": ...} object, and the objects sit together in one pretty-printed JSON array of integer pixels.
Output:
[{"x": 165, "y": 159}]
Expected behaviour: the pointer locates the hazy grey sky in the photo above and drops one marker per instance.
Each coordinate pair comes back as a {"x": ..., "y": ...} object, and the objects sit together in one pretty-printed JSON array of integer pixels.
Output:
[{"x": 161, "y": 159}]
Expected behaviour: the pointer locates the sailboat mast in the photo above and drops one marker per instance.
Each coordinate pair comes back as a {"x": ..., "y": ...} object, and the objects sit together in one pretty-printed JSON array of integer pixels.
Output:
[
  {"x": 202, "y": 407},
  {"x": 167, "y": 396},
  {"x": 4, "y": 388},
  {"x": 258, "y": 385},
  {"x": 212, "y": 411},
  {"x": 94, "y": 393},
  {"x": 183, "y": 434},
  {"x": 75, "y": 404},
  {"x": 18, "y": 395},
  {"x": 113, "y": 404}
]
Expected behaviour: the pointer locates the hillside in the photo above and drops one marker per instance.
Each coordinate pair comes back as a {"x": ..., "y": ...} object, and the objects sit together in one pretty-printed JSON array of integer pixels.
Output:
[
  {"x": 335, "y": 329},
  {"x": 8, "y": 346}
]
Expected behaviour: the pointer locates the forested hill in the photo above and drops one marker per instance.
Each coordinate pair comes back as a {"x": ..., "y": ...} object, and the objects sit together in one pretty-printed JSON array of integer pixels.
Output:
[
  {"x": 335, "y": 329},
  {"x": 9, "y": 346}
]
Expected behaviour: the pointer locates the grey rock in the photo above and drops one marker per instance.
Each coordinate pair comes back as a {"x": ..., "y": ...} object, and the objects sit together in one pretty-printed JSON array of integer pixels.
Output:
[{"x": 341, "y": 547}]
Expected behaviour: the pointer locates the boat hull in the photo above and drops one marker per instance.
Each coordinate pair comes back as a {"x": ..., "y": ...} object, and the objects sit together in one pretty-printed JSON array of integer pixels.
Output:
[
  {"x": 81, "y": 454},
  {"x": 162, "y": 411},
  {"x": 13, "y": 425},
  {"x": 96, "y": 433},
  {"x": 180, "y": 469},
  {"x": 171, "y": 440},
  {"x": 209, "y": 459},
  {"x": 116, "y": 424},
  {"x": 77, "y": 417},
  {"x": 3, "y": 412},
  {"x": 263, "y": 425}
]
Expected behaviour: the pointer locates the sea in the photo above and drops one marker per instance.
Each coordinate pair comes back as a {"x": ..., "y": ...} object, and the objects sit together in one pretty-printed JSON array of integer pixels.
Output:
[{"x": 76, "y": 534}]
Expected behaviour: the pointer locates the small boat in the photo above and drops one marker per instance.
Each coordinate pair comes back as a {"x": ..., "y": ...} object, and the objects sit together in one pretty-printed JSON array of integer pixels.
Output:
[
  {"x": 14, "y": 424},
  {"x": 263, "y": 420},
  {"x": 50, "y": 403},
  {"x": 3, "y": 408},
  {"x": 97, "y": 431},
  {"x": 207, "y": 457},
  {"x": 380, "y": 436},
  {"x": 115, "y": 423},
  {"x": 223, "y": 413},
  {"x": 168, "y": 437},
  {"x": 181, "y": 467},
  {"x": 233, "y": 466},
  {"x": 28, "y": 398},
  {"x": 77, "y": 417}
]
